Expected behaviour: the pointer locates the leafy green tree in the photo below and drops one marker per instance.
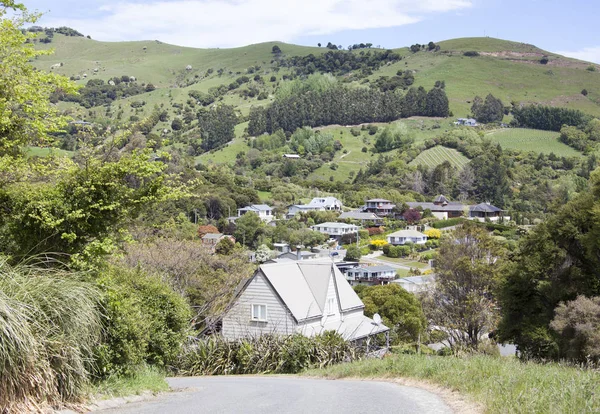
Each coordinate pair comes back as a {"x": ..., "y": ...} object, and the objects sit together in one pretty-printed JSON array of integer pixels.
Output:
[
  {"x": 353, "y": 253},
  {"x": 436, "y": 103},
  {"x": 217, "y": 126},
  {"x": 263, "y": 253},
  {"x": 399, "y": 310},
  {"x": 248, "y": 228},
  {"x": 26, "y": 113},
  {"x": 469, "y": 267},
  {"x": 225, "y": 246},
  {"x": 556, "y": 262},
  {"x": 490, "y": 110}
]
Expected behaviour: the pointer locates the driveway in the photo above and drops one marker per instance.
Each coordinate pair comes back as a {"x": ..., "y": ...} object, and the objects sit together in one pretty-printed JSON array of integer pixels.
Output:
[{"x": 283, "y": 394}]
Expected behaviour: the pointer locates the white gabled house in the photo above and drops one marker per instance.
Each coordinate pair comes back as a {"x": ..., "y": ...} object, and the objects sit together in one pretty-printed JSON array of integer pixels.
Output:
[
  {"x": 316, "y": 204},
  {"x": 407, "y": 236},
  {"x": 335, "y": 230},
  {"x": 298, "y": 297},
  {"x": 263, "y": 211}
]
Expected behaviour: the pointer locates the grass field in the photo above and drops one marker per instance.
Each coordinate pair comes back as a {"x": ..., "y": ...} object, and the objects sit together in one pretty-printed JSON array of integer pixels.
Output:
[
  {"x": 501, "y": 385},
  {"x": 44, "y": 152},
  {"x": 438, "y": 154},
  {"x": 537, "y": 141}
]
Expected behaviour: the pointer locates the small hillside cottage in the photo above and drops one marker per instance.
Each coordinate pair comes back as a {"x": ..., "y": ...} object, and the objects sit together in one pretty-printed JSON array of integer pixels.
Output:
[
  {"x": 407, "y": 236},
  {"x": 335, "y": 230},
  {"x": 298, "y": 297}
]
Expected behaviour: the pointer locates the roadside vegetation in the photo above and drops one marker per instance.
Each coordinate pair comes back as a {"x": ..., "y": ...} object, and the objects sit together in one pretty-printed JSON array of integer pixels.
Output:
[{"x": 501, "y": 385}]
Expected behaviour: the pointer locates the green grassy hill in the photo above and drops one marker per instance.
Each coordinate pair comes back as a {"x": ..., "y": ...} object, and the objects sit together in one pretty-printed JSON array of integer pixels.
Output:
[{"x": 509, "y": 70}]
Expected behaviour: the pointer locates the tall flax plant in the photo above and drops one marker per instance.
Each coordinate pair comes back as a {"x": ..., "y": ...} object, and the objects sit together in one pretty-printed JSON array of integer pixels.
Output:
[{"x": 49, "y": 323}]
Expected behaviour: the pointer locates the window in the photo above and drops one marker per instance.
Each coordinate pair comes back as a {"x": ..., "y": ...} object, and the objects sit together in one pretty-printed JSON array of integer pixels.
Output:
[
  {"x": 330, "y": 306},
  {"x": 259, "y": 313}
]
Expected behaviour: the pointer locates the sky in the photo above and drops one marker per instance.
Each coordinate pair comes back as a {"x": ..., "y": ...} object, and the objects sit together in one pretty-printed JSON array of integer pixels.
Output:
[{"x": 566, "y": 27}]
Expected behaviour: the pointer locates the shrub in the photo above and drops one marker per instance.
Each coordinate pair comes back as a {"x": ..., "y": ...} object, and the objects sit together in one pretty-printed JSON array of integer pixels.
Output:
[
  {"x": 353, "y": 254},
  {"x": 591, "y": 68},
  {"x": 584, "y": 92},
  {"x": 146, "y": 322},
  {"x": 578, "y": 324},
  {"x": 544, "y": 60},
  {"x": 49, "y": 324},
  {"x": 442, "y": 224},
  {"x": 471, "y": 53},
  {"x": 375, "y": 230},
  {"x": 433, "y": 233},
  {"x": 265, "y": 354}
]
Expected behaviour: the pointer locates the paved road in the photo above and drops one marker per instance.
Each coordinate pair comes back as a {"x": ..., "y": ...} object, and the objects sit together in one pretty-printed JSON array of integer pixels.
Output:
[{"x": 269, "y": 395}]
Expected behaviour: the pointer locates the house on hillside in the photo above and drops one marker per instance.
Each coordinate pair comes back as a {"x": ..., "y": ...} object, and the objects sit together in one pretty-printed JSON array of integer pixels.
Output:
[
  {"x": 335, "y": 230},
  {"x": 406, "y": 236},
  {"x": 263, "y": 211},
  {"x": 416, "y": 284},
  {"x": 371, "y": 275},
  {"x": 299, "y": 297},
  {"x": 486, "y": 211},
  {"x": 466, "y": 122},
  {"x": 291, "y": 156},
  {"x": 210, "y": 240},
  {"x": 379, "y": 206},
  {"x": 316, "y": 204},
  {"x": 441, "y": 207},
  {"x": 361, "y": 216}
]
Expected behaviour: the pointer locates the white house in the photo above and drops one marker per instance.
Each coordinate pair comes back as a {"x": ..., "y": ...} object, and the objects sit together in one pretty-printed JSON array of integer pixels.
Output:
[
  {"x": 263, "y": 211},
  {"x": 371, "y": 275},
  {"x": 327, "y": 203},
  {"x": 298, "y": 297},
  {"x": 406, "y": 236},
  {"x": 316, "y": 204},
  {"x": 335, "y": 230},
  {"x": 416, "y": 284}
]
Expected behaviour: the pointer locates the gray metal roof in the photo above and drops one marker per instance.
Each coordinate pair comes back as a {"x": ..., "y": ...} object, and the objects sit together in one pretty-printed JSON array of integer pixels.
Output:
[
  {"x": 418, "y": 280},
  {"x": 407, "y": 233},
  {"x": 451, "y": 206},
  {"x": 378, "y": 200},
  {"x": 257, "y": 207},
  {"x": 334, "y": 225},
  {"x": 485, "y": 208},
  {"x": 209, "y": 236},
  {"x": 381, "y": 268},
  {"x": 303, "y": 287},
  {"x": 351, "y": 328},
  {"x": 359, "y": 215}
]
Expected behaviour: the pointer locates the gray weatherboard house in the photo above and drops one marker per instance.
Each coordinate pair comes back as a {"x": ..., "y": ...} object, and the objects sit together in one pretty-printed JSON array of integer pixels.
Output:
[{"x": 298, "y": 297}]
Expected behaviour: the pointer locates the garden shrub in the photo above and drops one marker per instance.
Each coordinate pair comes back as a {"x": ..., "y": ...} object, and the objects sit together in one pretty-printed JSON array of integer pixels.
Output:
[{"x": 147, "y": 322}]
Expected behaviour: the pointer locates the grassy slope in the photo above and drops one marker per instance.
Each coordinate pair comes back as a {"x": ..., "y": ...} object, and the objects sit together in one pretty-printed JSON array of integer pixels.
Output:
[
  {"x": 515, "y": 76},
  {"x": 438, "y": 154},
  {"x": 502, "y": 385},
  {"x": 532, "y": 140}
]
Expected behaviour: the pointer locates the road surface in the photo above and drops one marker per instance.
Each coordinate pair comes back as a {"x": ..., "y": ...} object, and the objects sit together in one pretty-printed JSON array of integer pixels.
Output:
[{"x": 269, "y": 395}]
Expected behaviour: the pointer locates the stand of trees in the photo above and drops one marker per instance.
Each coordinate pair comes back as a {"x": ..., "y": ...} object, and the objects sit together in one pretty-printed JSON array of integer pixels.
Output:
[
  {"x": 490, "y": 110},
  {"x": 547, "y": 117},
  {"x": 345, "y": 106}
]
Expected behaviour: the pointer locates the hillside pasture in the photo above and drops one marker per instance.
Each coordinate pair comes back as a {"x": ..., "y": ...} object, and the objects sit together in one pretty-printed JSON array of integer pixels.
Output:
[
  {"x": 437, "y": 155},
  {"x": 523, "y": 139}
]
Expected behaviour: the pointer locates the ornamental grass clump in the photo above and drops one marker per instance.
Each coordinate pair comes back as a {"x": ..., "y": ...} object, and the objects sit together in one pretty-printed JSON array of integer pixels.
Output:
[
  {"x": 49, "y": 324},
  {"x": 266, "y": 354}
]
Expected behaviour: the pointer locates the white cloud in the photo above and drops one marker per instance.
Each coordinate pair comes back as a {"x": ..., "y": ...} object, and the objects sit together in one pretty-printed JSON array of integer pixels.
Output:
[
  {"x": 227, "y": 23},
  {"x": 589, "y": 54}
]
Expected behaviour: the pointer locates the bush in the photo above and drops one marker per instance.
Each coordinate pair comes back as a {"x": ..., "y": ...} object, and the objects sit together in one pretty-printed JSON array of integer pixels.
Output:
[
  {"x": 442, "y": 224},
  {"x": 353, "y": 254},
  {"x": 49, "y": 324},
  {"x": 471, "y": 53},
  {"x": 266, "y": 354},
  {"x": 578, "y": 324},
  {"x": 146, "y": 322}
]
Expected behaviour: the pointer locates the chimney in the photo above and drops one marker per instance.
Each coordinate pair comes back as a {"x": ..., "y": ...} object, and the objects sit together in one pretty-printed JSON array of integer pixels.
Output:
[{"x": 298, "y": 253}]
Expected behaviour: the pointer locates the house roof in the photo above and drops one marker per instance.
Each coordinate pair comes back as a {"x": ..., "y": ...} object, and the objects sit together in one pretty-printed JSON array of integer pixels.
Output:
[
  {"x": 303, "y": 287},
  {"x": 378, "y": 200},
  {"x": 359, "y": 215},
  {"x": 441, "y": 199},
  {"x": 417, "y": 280},
  {"x": 485, "y": 208},
  {"x": 335, "y": 225},
  {"x": 407, "y": 233},
  {"x": 307, "y": 206},
  {"x": 291, "y": 156},
  {"x": 451, "y": 206},
  {"x": 371, "y": 269},
  {"x": 212, "y": 236},
  {"x": 257, "y": 207},
  {"x": 351, "y": 328},
  {"x": 324, "y": 201}
]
